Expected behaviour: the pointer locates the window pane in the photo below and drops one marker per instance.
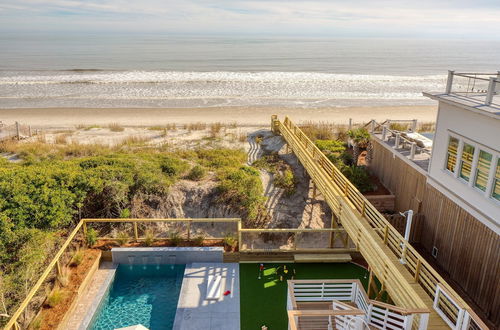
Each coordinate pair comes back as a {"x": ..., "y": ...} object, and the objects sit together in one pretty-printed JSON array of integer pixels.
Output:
[
  {"x": 466, "y": 161},
  {"x": 451, "y": 158},
  {"x": 496, "y": 184},
  {"x": 483, "y": 168}
]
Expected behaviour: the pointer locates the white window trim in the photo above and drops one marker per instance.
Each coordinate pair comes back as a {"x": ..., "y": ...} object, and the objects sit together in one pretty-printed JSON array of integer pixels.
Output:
[{"x": 488, "y": 193}]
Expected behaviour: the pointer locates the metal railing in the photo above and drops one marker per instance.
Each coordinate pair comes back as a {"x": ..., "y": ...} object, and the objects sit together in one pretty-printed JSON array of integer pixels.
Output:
[{"x": 477, "y": 85}]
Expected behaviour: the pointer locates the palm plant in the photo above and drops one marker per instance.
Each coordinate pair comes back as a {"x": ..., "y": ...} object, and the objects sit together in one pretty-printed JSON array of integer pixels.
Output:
[{"x": 360, "y": 139}]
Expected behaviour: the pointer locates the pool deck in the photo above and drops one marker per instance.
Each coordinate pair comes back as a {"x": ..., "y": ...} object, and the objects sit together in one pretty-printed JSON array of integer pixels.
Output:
[
  {"x": 194, "y": 312},
  {"x": 89, "y": 301}
]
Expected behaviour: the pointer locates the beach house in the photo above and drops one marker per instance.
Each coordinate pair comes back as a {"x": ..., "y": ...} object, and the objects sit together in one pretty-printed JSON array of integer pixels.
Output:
[{"x": 453, "y": 184}]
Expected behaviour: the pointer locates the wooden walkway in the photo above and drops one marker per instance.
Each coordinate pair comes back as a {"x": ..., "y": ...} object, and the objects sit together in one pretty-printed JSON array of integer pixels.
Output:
[{"x": 411, "y": 285}]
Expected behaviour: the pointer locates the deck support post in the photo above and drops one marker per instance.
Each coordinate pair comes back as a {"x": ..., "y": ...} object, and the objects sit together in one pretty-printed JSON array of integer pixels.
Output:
[
  {"x": 414, "y": 125},
  {"x": 239, "y": 236},
  {"x": 370, "y": 280},
  {"x": 384, "y": 133}
]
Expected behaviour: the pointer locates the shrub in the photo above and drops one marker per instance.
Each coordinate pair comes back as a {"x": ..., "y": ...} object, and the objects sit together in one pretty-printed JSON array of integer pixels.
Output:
[
  {"x": 115, "y": 127},
  {"x": 122, "y": 238},
  {"x": 286, "y": 181},
  {"x": 125, "y": 213},
  {"x": 77, "y": 259},
  {"x": 91, "y": 237},
  {"x": 55, "y": 297},
  {"x": 149, "y": 237},
  {"x": 229, "y": 240},
  {"x": 330, "y": 146},
  {"x": 175, "y": 238},
  {"x": 198, "y": 240},
  {"x": 359, "y": 177},
  {"x": 197, "y": 173}
]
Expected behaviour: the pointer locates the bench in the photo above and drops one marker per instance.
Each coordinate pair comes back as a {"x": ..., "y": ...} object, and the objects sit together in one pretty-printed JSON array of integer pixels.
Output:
[{"x": 322, "y": 257}]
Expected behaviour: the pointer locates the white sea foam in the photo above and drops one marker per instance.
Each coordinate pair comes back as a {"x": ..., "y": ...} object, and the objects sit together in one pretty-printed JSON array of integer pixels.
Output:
[{"x": 176, "y": 88}]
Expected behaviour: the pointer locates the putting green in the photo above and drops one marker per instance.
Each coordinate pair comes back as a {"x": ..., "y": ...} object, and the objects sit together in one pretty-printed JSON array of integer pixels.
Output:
[{"x": 263, "y": 301}]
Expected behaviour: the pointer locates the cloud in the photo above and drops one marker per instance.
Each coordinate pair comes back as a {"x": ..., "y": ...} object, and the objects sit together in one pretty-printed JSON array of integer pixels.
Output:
[{"x": 428, "y": 18}]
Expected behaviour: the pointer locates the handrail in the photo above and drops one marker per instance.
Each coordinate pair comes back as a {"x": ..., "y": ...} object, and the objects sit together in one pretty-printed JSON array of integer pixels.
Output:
[{"x": 358, "y": 207}]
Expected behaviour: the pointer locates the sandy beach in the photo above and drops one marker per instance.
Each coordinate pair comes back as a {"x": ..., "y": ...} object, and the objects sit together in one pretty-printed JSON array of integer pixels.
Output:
[{"x": 243, "y": 116}]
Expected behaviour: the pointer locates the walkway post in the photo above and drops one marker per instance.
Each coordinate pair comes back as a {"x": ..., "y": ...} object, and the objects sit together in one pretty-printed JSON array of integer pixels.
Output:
[{"x": 412, "y": 150}]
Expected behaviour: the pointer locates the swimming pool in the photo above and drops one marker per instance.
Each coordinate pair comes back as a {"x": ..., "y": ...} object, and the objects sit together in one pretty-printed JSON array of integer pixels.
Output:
[{"x": 141, "y": 294}]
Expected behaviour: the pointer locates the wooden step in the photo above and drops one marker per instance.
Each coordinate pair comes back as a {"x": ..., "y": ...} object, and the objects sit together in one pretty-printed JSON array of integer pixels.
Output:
[{"x": 337, "y": 257}]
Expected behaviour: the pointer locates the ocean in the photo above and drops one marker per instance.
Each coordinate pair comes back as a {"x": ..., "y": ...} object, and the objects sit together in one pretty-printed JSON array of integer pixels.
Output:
[{"x": 105, "y": 71}]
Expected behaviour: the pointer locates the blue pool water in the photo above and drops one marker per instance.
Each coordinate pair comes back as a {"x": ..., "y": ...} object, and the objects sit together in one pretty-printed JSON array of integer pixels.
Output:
[{"x": 140, "y": 294}]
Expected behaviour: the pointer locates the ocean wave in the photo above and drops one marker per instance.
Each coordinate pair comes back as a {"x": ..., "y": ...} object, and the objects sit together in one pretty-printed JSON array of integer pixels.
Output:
[{"x": 150, "y": 77}]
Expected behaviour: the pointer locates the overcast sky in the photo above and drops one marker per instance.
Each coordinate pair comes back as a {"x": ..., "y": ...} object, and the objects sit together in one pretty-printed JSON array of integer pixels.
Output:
[{"x": 464, "y": 19}]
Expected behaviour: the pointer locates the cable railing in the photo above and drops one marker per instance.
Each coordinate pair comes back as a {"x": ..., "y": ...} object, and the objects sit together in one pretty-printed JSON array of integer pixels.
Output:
[
  {"x": 480, "y": 86},
  {"x": 351, "y": 206}
]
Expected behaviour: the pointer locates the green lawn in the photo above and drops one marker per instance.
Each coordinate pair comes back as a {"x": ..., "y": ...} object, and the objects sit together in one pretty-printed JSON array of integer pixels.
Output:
[{"x": 263, "y": 302}]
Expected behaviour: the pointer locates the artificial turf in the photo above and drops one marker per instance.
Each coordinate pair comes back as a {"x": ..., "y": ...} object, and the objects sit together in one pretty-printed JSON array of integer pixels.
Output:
[{"x": 263, "y": 301}]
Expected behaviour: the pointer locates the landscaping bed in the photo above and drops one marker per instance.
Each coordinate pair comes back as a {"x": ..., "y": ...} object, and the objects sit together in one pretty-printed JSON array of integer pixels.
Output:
[{"x": 60, "y": 300}]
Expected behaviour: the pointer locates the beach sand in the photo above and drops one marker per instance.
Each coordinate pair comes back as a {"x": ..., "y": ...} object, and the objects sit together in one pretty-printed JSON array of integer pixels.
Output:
[{"x": 243, "y": 116}]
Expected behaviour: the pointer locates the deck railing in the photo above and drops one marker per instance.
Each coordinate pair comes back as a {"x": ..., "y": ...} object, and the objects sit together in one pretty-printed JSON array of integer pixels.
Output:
[
  {"x": 339, "y": 292},
  {"x": 482, "y": 85},
  {"x": 351, "y": 206}
]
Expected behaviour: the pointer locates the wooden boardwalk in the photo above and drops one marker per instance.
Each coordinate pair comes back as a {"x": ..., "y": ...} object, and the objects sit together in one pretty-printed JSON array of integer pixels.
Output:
[{"x": 412, "y": 285}]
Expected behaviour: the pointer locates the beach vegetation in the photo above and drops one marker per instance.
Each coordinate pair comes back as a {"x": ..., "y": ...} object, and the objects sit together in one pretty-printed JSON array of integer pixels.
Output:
[
  {"x": 115, "y": 127},
  {"x": 76, "y": 259},
  {"x": 91, "y": 237},
  {"x": 149, "y": 237},
  {"x": 122, "y": 237},
  {"x": 45, "y": 193},
  {"x": 196, "y": 173},
  {"x": 175, "y": 238},
  {"x": 198, "y": 240},
  {"x": 55, "y": 297}
]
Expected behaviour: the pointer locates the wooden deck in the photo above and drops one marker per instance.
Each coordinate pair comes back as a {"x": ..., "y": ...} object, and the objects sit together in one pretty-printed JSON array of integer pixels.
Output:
[{"x": 379, "y": 243}]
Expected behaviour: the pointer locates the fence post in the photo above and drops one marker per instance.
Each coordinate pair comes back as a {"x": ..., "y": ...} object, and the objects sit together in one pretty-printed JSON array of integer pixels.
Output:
[
  {"x": 397, "y": 141},
  {"x": 372, "y": 126},
  {"x": 18, "y": 135},
  {"x": 491, "y": 91},
  {"x": 239, "y": 236},
  {"x": 274, "y": 118},
  {"x": 350, "y": 123},
  {"x": 412, "y": 150},
  {"x": 384, "y": 133},
  {"x": 85, "y": 229},
  {"x": 136, "y": 233},
  {"x": 414, "y": 125},
  {"x": 449, "y": 81},
  {"x": 29, "y": 131}
]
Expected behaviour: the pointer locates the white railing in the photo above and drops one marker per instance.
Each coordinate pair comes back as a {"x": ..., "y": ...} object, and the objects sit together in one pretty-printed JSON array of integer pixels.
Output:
[
  {"x": 454, "y": 313},
  {"x": 375, "y": 314},
  {"x": 483, "y": 84}
]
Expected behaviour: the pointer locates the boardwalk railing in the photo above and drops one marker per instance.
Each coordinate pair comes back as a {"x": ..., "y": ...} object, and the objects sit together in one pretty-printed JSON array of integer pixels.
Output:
[{"x": 377, "y": 240}]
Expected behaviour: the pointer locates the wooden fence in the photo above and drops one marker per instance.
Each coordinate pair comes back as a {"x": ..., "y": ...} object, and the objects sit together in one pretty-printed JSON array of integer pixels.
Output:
[{"x": 16, "y": 131}]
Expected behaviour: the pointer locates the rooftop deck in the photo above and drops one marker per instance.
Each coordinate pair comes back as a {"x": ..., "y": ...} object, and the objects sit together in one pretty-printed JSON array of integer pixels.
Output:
[{"x": 475, "y": 91}]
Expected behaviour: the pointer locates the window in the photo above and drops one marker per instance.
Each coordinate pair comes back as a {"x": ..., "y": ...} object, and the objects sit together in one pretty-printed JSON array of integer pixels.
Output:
[
  {"x": 451, "y": 156},
  {"x": 482, "y": 170},
  {"x": 466, "y": 161},
  {"x": 496, "y": 183}
]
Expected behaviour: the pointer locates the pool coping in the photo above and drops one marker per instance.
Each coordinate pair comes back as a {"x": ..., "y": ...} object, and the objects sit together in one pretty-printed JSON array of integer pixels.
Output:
[{"x": 99, "y": 297}]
